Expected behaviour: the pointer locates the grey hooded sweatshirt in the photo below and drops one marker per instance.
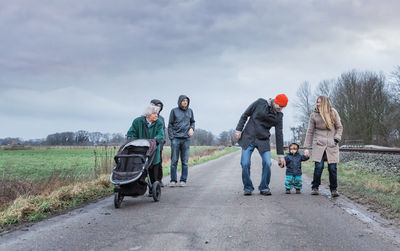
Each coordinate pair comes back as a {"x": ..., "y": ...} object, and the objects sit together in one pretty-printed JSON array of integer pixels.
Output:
[{"x": 180, "y": 120}]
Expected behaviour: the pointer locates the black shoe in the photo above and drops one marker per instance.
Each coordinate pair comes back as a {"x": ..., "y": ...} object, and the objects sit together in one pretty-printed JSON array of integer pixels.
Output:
[
  {"x": 265, "y": 192},
  {"x": 298, "y": 191},
  {"x": 247, "y": 193},
  {"x": 334, "y": 193}
]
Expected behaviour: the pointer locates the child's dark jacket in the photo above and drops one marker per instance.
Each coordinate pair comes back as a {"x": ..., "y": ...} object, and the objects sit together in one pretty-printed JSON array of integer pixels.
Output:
[{"x": 293, "y": 163}]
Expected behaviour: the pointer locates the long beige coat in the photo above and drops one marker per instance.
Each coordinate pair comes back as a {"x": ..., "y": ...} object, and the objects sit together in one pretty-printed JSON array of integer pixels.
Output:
[{"x": 322, "y": 139}]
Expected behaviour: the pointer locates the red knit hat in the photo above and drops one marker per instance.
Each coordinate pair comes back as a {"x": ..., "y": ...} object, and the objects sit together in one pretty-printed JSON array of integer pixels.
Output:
[{"x": 281, "y": 100}]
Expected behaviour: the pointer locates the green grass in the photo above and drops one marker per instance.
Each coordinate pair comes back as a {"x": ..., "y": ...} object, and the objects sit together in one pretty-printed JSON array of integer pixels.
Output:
[
  {"x": 380, "y": 193},
  {"x": 41, "y": 163}
]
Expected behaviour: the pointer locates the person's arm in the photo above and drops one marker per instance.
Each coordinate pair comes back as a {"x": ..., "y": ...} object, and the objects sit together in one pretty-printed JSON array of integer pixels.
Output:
[
  {"x": 339, "y": 128},
  {"x": 132, "y": 132},
  {"x": 310, "y": 132},
  {"x": 192, "y": 124},
  {"x": 279, "y": 136},
  {"x": 159, "y": 132},
  {"x": 171, "y": 124},
  {"x": 304, "y": 158},
  {"x": 192, "y": 121},
  {"x": 243, "y": 119},
  {"x": 287, "y": 160}
]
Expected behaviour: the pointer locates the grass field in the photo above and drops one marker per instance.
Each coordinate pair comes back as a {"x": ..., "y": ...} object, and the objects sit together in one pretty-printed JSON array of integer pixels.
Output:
[
  {"x": 41, "y": 163},
  {"x": 73, "y": 163},
  {"x": 38, "y": 182}
]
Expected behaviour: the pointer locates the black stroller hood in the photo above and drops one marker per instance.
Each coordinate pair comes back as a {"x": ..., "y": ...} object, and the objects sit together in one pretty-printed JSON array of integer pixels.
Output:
[
  {"x": 133, "y": 158},
  {"x": 150, "y": 143}
]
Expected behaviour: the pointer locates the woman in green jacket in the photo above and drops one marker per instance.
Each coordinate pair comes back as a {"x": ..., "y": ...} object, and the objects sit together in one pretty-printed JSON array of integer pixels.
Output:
[{"x": 149, "y": 126}]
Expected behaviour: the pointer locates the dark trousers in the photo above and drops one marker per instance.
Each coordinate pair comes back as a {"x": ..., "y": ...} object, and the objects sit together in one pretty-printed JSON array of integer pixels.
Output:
[
  {"x": 154, "y": 171},
  {"x": 319, "y": 167},
  {"x": 160, "y": 171}
]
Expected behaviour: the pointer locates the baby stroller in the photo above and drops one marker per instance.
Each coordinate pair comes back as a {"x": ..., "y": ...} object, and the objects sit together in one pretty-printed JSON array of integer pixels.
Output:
[{"x": 131, "y": 168}]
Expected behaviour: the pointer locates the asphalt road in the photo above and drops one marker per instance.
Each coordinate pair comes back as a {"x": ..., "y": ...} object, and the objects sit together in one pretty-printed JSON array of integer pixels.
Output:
[{"x": 210, "y": 213}]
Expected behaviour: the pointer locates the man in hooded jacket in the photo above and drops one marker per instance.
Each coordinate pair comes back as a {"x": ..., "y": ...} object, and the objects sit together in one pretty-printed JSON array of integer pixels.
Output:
[
  {"x": 181, "y": 127},
  {"x": 158, "y": 103}
]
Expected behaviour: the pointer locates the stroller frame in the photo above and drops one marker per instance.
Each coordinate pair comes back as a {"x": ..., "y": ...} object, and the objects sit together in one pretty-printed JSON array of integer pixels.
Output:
[{"x": 121, "y": 185}]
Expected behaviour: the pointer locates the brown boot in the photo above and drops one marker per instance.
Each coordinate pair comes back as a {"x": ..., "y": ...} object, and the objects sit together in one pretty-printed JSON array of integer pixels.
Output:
[
  {"x": 314, "y": 192},
  {"x": 334, "y": 193},
  {"x": 298, "y": 191},
  {"x": 287, "y": 191}
]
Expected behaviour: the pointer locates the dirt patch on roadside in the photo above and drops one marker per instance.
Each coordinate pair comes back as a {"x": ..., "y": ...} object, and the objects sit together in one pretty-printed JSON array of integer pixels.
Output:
[{"x": 372, "y": 205}]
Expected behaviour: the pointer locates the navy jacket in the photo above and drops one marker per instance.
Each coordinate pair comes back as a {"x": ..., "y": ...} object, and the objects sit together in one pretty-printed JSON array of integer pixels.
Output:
[
  {"x": 180, "y": 120},
  {"x": 293, "y": 163},
  {"x": 262, "y": 118}
]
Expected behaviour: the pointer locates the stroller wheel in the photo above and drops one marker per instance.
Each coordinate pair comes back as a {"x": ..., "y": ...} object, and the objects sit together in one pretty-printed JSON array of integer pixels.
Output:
[
  {"x": 156, "y": 191},
  {"x": 118, "y": 199}
]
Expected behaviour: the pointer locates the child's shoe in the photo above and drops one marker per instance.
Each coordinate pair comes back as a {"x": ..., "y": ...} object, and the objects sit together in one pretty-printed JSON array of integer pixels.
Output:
[
  {"x": 287, "y": 191},
  {"x": 298, "y": 191}
]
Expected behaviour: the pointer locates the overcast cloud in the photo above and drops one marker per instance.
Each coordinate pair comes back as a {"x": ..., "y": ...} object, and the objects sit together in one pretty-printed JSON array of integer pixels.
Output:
[{"x": 95, "y": 65}]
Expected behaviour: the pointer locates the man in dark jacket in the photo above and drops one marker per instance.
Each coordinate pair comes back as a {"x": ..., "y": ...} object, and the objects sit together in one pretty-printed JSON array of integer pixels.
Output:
[
  {"x": 159, "y": 166},
  {"x": 263, "y": 115},
  {"x": 180, "y": 129},
  {"x": 293, "y": 168}
]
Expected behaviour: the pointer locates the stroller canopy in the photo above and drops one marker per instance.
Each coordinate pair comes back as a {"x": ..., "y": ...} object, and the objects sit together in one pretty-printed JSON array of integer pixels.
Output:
[{"x": 140, "y": 143}]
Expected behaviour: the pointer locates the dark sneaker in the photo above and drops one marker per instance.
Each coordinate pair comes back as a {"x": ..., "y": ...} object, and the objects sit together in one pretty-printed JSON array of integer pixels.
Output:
[
  {"x": 265, "y": 192},
  {"x": 247, "y": 192},
  {"x": 334, "y": 193},
  {"x": 287, "y": 191},
  {"x": 314, "y": 192},
  {"x": 298, "y": 191}
]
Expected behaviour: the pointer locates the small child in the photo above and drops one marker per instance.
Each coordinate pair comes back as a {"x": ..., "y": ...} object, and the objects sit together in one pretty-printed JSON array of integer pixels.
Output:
[{"x": 293, "y": 168}]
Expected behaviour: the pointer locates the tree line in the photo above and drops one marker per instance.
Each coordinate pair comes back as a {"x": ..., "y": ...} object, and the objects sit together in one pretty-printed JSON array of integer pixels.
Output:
[
  {"x": 85, "y": 138},
  {"x": 368, "y": 104}
]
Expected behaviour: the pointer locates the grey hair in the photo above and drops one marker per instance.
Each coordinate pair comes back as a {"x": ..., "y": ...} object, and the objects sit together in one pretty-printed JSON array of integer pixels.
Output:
[{"x": 150, "y": 109}]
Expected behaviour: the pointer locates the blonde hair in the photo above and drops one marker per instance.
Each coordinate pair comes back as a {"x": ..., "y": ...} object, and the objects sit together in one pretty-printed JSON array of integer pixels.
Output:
[{"x": 326, "y": 111}]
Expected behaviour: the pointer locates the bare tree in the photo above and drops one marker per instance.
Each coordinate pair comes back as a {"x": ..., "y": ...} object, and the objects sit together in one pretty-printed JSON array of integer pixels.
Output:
[
  {"x": 395, "y": 84},
  {"x": 326, "y": 88},
  {"x": 394, "y": 115},
  {"x": 305, "y": 105},
  {"x": 362, "y": 102},
  {"x": 202, "y": 138}
]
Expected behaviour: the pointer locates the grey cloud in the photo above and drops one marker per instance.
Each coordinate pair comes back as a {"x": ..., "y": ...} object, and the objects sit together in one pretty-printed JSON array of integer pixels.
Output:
[{"x": 68, "y": 58}]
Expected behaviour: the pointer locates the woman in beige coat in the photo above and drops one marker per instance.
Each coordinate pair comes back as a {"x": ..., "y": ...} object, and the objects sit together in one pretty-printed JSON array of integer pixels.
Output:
[{"x": 324, "y": 133}]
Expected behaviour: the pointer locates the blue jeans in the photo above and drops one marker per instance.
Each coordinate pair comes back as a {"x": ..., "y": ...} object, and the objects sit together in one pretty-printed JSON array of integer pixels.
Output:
[
  {"x": 293, "y": 181},
  {"x": 179, "y": 147},
  {"x": 319, "y": 167},
  {"x": 245, "y": 161}
]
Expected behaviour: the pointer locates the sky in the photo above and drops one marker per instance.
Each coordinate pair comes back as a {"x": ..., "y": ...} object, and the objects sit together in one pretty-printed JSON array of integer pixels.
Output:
[{"x": 95, "y": 64}]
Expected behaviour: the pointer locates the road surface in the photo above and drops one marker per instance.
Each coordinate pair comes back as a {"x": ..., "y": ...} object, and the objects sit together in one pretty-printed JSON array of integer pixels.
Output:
[{"x": 211, "y": 213}]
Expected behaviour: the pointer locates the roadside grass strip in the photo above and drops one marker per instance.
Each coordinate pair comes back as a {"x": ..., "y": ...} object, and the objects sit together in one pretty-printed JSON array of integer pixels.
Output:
[
  {"x": 27, "y": 207},
  {"x": 380, "y": 193}
]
